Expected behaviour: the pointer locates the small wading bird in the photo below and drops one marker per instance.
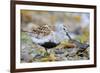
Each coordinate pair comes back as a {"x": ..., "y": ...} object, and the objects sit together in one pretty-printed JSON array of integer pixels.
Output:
[{"x": 62, "y": 33}]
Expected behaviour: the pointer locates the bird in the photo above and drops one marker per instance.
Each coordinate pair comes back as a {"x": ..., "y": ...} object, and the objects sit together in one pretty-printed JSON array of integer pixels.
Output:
[{"x": 53, "y": 39}]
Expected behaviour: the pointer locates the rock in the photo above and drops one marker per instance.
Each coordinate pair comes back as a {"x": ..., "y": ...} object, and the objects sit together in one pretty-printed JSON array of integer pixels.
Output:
[
  {"x": 38, "y": 56},
  {"x": 59, "y": 51},
  {"x": 25, "y": 56}
]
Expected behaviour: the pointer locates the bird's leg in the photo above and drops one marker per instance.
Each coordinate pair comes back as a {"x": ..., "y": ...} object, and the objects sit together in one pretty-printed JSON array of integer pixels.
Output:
[
  {"x": 46, "y": 49},
  {"x": 47, "y": 53}
]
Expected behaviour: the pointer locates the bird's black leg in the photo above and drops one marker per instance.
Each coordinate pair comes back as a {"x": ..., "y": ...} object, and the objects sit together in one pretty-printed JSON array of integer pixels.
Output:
[{"x": 47, "y": 51}]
